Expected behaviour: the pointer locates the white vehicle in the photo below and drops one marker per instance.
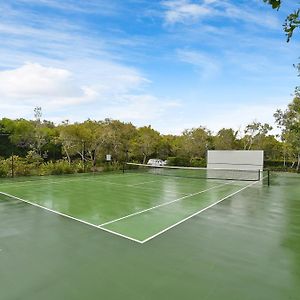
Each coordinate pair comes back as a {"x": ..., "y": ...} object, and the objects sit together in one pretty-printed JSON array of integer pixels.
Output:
[{"x": 156, "y": 162}]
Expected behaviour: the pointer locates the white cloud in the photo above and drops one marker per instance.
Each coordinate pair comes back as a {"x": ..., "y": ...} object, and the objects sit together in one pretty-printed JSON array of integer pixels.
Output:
[
  {"x": 140, "y": 107},
  {"x": 102, "y": 7},
  {"x": 187, "y": 11},
  {"x": 34, "y": 80},
  {"x": 205, "y": 65},
  {"x": 183, "y": 10},
  {"x": 109, "y": 90}
]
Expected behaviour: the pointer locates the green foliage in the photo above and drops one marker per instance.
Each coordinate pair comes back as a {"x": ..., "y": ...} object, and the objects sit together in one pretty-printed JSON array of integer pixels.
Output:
[
  {"x": 178, "y": 161},
  {"x": 4, "y": 168},
  {"x": 289, "y": 121},
  {"x": 226, "y": 139},
  {"x": 41, "y": 148},
  {"x": 275, "y": 3},
  {"x": 291, "y": 23},
  {"x": 57, "y": 168},
  {"x": 292, "y": 20},
  {"x": 255, "y": 134}
]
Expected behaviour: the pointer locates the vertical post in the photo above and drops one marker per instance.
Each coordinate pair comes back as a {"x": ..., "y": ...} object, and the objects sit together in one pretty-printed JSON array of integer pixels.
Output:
[
  {"x": 268, "y": 177},
  {"x": 12, "y": 166}
]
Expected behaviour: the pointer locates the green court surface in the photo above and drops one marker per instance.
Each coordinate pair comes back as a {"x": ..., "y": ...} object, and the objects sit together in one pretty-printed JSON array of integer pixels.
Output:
[{"x": 143, "y": 236}]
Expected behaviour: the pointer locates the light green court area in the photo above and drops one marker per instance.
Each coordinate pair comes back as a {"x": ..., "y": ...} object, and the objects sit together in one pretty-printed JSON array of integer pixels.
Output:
[
  {"x": 135, "y": 206},
  {"x": 246, "y": 245}
]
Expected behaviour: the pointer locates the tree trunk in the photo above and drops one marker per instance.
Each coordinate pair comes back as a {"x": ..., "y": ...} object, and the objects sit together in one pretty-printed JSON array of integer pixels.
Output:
[
  {"x": 298, "y": 162},
  {"x": 68, "y": 156}
]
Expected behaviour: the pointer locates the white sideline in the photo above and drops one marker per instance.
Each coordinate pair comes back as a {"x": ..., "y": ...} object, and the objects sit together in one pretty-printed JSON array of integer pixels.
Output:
[
  {"x": 69, "y": 217},
  {"x": 197, "y": 213},
  {"x": 163, "y": 204}
]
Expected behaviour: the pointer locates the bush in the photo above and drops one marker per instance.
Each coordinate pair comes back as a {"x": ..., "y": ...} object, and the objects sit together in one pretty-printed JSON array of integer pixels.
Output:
[
  {"x": 57, "y": 168},
  {"x": 4, "y": 168},
  {"x": 178, "y": 161}
]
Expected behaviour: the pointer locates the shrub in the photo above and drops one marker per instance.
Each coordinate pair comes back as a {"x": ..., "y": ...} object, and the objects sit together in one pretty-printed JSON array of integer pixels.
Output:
[
  {"x": 57, "y": 168},
  {"x": 4, "y": 168},
  {"x": 178, "y": 161}
]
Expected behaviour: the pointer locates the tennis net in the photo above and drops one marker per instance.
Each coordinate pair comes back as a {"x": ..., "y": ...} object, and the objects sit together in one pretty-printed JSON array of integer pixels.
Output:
[{"x": 194, "y": 172}]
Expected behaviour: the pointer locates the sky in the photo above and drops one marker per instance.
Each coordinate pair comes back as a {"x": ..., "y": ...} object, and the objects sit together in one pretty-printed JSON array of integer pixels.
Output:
[{"x": 171, "y": 64}]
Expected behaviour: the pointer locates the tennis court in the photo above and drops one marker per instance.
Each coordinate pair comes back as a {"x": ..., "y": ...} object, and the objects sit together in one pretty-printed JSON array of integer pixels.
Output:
[
  {"x": 143, "y": 236},
  {"x": 135, "y": 205}
]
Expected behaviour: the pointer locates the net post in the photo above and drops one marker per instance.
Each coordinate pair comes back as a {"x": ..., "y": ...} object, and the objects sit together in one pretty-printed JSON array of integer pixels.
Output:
[{"x": 268, "y": 175}]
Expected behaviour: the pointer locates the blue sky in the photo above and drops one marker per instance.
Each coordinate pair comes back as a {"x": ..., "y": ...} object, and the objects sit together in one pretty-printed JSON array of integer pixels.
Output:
[{"x": 174, "y": 64}]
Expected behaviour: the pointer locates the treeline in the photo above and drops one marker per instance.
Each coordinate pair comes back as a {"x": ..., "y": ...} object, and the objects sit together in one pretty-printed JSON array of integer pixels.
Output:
[{"x": 36, "y": 147}]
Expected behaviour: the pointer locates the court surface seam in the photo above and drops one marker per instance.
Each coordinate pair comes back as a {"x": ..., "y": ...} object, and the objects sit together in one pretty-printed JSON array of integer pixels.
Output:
[{"x": 162, "y": 204}]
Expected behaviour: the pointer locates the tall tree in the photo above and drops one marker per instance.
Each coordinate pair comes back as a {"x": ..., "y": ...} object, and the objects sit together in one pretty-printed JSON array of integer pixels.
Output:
[
  {"x": 254, "y": 135},
  {"x": 226, "y": 139},
  {"x": 195, "y": 142},
  {"x": 289, "y": 121},
  {"x": 146, "y": 142}
]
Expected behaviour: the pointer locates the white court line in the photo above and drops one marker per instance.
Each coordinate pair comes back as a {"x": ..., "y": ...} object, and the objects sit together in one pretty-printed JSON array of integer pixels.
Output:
[
  {"x": 70, "y": 217},
  {"x": 163, "y": 204},
  {"x": 197, "y": 213}
]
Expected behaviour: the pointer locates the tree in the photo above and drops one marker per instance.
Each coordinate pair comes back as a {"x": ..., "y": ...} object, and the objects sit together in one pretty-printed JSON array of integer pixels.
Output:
[
  {"x": 73, "y": 138},
  {"x": 254, "y": 135},
  {"x": 146, "y": 142},
  {"x": 292, "y": 21},
  {"x": 195, "y": 143},
  {"x": 226, "y": 139},
  {"x": 289, "y": 121}
]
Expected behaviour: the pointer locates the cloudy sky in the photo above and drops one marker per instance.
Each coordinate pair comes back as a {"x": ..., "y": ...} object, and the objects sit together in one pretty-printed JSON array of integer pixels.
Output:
[{"x": 174, "y": 64}]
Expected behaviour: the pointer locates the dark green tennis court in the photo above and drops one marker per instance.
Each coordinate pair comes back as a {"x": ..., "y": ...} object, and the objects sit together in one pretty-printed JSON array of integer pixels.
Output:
[{"x": 143, "y": 236}]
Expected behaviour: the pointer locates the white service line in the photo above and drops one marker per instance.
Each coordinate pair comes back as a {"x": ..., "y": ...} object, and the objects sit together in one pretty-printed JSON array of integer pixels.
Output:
[
  {"x": 69, "y": 217},
  {"x": 197, "y": 213},
  {"x": 163, "y": 204}
]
